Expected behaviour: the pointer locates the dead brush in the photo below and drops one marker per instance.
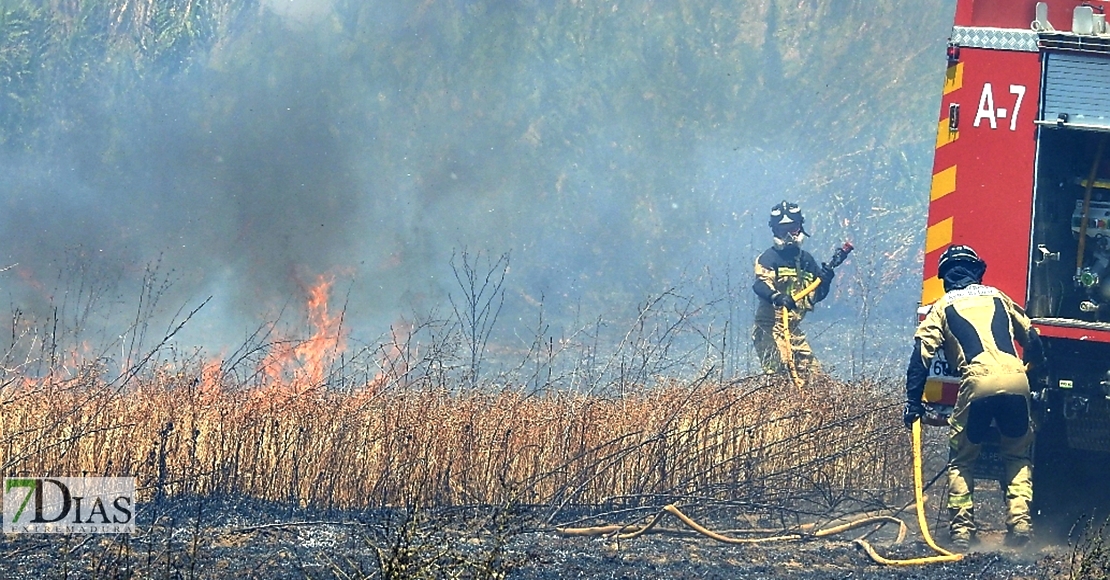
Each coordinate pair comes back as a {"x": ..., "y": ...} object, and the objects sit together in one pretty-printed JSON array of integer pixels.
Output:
[
  {"x": 408, "y": 428},
  {"x": 754, "y": 440},
  {"x": 1090, "y": 556}
]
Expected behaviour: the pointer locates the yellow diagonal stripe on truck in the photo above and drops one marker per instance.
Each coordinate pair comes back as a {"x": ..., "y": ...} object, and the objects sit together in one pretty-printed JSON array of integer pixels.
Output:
[
  {"x": 954, "y": 77},
  {"x": 944, "y": 134},
  {"x": 938, "y": 235},
  {"x": 931, "y": 290},
  {"x": 944, "y": 183}
]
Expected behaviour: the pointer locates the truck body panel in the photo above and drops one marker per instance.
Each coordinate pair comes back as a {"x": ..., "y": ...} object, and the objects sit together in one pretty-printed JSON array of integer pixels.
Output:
[{"x": 1021, "y": 173}]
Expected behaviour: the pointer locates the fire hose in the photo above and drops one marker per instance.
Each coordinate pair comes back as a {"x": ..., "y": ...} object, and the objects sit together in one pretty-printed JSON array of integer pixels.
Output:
[
  {"x": 919, "y": 499},
  {"x": 786, "y": 348},
  {"x": 628, "y": 532}
]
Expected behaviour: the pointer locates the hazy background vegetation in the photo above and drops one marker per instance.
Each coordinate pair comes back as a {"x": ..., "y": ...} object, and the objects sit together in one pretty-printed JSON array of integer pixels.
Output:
[
  {"x": 556, "y": 202},
  {"x": 154, "y": 154}
]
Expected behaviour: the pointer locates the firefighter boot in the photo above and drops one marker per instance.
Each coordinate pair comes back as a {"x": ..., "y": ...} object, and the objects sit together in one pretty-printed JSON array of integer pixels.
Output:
[
  {"x": 1019, "y": 534},
  {"x": 961, "y": 530}
]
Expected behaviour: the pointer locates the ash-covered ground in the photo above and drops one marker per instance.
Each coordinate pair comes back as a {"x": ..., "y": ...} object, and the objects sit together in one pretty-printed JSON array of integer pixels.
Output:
[
  {"x": 249, "y": 539},
  {"x": 690, "y": 557}
]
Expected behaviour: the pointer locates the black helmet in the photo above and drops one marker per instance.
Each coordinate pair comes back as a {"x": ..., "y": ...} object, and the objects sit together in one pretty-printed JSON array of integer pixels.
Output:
[
  {"x": 958, "y": 254},
  {"x": 786, "y": 213}
]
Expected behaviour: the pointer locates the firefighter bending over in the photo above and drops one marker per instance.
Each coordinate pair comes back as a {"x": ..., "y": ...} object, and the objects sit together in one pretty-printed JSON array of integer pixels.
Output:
[
  {"x": 977, "y": 327},
  {"x": 782, "y": 271}
]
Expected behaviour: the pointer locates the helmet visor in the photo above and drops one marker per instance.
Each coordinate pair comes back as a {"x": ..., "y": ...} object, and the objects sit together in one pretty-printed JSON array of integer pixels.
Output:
[{"x": 783, "y": 230}]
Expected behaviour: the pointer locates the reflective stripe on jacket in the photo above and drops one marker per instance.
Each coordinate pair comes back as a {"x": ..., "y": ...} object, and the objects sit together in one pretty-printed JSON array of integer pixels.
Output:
[
  {"x": 978, "y": 326},
  {"x": 787, "y": 270}
]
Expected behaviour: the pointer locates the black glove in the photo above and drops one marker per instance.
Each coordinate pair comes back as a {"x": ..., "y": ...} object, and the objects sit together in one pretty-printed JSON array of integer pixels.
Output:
[
  {"x": 780, "y": 299},
  {"x": 827, "y": 273},
  {"x": 912, "y": 412},
  {"x": 1037, "y": 372},
  {"x": 1033, "y": 352},
  {"x": 1034, "y": 364}
]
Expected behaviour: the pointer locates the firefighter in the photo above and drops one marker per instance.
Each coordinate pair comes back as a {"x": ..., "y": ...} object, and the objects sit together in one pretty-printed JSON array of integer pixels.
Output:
[
  {"x": 782, "y": 271},
  {"x": 977, "y": 327}
]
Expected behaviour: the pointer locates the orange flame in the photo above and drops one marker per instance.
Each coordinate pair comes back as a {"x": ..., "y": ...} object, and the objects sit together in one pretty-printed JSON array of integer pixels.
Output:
[
  {"x": 319, "y": 351},
  {"x": 68, "y": 363},
  {"x": 211, "y": 379},
  {"x": 300, "y": 365}
]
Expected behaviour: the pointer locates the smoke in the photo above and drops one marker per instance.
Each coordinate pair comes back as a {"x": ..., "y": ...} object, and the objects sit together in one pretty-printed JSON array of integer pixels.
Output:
[
  {"x": 300, "y": 10},
  {"x": 610, "y": 152}
]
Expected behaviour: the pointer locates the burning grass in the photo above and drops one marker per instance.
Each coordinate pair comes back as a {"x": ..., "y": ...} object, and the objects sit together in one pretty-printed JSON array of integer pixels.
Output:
[
  {"x": 422, "y": 461},
  {"x": 756, "y": 440}
]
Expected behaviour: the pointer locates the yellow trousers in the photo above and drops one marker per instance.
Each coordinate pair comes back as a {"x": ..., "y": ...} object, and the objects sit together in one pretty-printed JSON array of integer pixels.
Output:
[
  {"x": 772, "y": 348},
  {"x": 1017, "y": 482}
]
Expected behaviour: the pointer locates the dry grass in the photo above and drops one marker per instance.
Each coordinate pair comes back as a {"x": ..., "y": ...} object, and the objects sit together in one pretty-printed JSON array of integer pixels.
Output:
[
  {"x": 752, "y": 440},
  {"x": 462, "y": 460},
  {"x": 412, "y": 423}
]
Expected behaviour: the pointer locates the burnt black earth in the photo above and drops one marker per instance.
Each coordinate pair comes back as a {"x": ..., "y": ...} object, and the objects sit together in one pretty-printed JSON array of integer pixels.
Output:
[{"x": 244, "y": 538}]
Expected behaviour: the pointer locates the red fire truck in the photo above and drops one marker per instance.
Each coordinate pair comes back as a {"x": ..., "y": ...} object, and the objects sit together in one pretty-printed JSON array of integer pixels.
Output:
[{"x": 1022, "y": 174}]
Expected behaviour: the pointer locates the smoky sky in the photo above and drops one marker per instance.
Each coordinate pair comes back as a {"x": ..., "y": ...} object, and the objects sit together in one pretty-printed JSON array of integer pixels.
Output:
[{"x": 609, "y": 155}]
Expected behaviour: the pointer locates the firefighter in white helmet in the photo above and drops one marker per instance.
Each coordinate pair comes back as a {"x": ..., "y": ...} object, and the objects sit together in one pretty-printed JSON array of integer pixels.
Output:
[
  {"x": 781, "y": 271},
  {"x": 977, "y": 327}
]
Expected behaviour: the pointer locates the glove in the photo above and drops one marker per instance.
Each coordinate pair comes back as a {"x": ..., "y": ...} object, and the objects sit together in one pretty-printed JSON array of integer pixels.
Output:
[
  {"x": 1033, "y": 360},
  {"x": 827, "y": 273},
  {"x": 780, "y": 300},
  {"x": 1037, "y": 372},
  {"x": 912, "y": 412}
]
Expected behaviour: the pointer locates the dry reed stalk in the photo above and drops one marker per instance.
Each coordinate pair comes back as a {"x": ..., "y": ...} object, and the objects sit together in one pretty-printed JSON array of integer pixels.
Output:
[{"x": 756, "y": 441}]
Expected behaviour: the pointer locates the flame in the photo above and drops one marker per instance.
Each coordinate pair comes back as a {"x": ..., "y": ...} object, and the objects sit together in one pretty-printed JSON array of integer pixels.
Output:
[
  {"x": 211, "y": 379},
  {"x": 319, "y": 351},
  {"x": 301, "y": 365},
  {"x": 67, "y": 364},
  {"x": 291, "y": 365}
]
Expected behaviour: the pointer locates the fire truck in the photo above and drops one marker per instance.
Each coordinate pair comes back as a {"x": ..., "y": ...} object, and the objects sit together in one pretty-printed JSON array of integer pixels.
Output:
[{"x": 1021, "y": 173}]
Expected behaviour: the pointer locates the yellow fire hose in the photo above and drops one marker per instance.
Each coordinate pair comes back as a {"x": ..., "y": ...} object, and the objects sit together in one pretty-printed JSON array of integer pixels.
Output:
[
  {"x": 627, "y": 532},
  {"x": 786, "y": 349},
  {"x": 919, "y": 497}
]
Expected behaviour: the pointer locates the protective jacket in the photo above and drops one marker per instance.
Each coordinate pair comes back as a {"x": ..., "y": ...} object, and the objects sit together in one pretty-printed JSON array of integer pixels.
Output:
[
  {"x": 786, "y": 270},
  {"x": 977, "y": 327}
]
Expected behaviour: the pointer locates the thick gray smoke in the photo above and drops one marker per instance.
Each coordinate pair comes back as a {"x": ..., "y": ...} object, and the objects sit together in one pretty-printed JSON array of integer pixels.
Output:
[{"x": 611, "y": 151}]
